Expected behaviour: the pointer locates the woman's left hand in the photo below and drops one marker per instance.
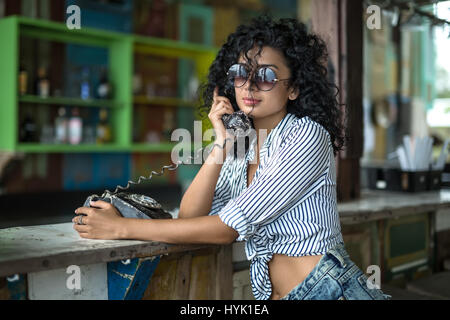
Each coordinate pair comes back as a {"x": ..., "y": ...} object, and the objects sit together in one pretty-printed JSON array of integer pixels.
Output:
[{"x": 101, "y": 221}]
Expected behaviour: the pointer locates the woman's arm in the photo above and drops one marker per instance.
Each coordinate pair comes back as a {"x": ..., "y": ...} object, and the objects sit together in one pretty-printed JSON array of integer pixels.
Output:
[
  {"x": 207, "y": 229},
  {"x": 197, "y": 200},
  {"x": 198, "y": 197},
  {"x": 102, "y": 221}
]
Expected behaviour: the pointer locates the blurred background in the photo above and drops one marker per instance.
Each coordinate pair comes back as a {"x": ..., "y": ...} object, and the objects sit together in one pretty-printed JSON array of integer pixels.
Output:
[
  {"x": 86, "y": 109},
  {"x": 91, "y": 91}
]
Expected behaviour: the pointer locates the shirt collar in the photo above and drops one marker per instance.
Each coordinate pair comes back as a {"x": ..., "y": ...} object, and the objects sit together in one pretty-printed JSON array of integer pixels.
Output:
[{"x": 273, "y": 135}]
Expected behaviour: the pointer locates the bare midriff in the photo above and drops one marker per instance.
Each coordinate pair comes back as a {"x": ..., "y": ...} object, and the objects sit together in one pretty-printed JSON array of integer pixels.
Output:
[
  {"x": 288, "y": 272},
  {"x": 285, "y": 272}
]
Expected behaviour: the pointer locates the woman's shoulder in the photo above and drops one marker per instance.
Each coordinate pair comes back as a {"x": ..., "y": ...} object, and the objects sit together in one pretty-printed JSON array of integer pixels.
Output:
[{"x": 304, "y": 125}]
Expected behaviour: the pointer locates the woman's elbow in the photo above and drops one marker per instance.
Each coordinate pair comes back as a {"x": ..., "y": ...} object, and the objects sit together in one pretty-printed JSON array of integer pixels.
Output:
[
  {"x": 229, "y": 237},
  {"x": 182, "y": 214}
]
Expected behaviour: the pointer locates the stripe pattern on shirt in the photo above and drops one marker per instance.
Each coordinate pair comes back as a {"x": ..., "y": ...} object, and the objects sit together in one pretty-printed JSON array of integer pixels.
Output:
[{"x": 290, "y": 206}]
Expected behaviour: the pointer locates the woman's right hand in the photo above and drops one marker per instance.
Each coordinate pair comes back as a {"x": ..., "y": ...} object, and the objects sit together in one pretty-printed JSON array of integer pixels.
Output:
[{"x": 221, "y": 105}]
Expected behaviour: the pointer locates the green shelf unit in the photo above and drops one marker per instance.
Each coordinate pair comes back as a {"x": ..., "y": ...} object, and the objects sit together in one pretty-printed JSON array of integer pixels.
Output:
[
  {"x": 9, "y": 56},
  {"x": 153, "y": 147},
  {"x": 58, "y": 32},
  {"x": 160, "y": 147},
  {"x": 69, "y": 101},
  {"x": 67, "y": 148},
  {"x": 121, "y": 49}
]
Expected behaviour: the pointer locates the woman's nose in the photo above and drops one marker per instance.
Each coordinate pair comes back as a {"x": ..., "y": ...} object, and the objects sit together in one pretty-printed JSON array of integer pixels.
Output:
[{"x": 250, "y": 84}]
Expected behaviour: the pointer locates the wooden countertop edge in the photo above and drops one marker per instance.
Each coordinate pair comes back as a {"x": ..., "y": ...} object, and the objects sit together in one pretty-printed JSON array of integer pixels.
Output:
[
  {"x": 352, "y": 217},
  {"x": 93, "y": 256}
]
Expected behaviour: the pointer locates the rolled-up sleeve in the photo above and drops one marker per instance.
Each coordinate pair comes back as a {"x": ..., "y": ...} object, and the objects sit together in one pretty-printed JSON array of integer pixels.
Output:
[{"x": 294, "y": 171}]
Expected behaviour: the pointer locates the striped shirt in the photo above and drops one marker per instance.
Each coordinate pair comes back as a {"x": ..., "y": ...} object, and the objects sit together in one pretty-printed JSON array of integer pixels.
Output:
[{"x": 290, "y": 206}]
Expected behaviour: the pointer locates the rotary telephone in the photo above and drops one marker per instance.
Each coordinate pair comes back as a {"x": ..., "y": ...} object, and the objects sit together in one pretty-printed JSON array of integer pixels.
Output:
[{"x": 132, "y": 205}]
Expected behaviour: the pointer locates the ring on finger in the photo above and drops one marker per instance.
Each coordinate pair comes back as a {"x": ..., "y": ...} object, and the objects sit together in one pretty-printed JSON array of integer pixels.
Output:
[{"x": 80, "y": 220}]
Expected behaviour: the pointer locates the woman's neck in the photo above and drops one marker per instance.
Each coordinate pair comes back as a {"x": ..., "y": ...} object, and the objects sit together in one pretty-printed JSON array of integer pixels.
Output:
[{"x": 267, "y": 123}]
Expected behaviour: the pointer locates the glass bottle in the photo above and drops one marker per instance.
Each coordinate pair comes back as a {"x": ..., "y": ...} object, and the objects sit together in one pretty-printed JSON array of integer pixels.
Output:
[
  {"x": 104, "y": 88},
  {"x": 103, "y": 128},
  {"x": 28, "y": 129},
  {"x": 61, "y": 126},
  {"x": 23, "y": 81},
  {"x": 168, "y": 124},
  {"x": 75, "y": 127},
  {"x": 42, "y": 83},
  {"x": 85, "y": 90}
]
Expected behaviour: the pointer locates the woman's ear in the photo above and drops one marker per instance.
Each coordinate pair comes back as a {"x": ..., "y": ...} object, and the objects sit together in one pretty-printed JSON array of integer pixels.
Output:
[{"x": 293, "y": 94}]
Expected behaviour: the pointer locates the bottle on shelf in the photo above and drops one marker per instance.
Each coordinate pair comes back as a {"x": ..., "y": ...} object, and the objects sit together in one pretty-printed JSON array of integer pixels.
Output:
[
  {"x": 47, "y": 134},
  {"x": 104, "y": 89},
  {"x": 168, "y": 124},
  {"x": 137, "y": 83},
  {"x": 42, "y": 83},
  {"x": 163, "y": 86},
  {"x": 61, "y": 126},
  {"x": 75, "y": 127},
  {"x": 89, "y": 134},
  {"x": 23, "y": 81},
  {"x": 153, "y": 137},
  {"x": 28, "y": 129},
  {"x": 85, "y": 89},
  {"x": 192, "y": 88},
  {"x": 104, "y": 133},
  {"x": 150, "y": 89}
]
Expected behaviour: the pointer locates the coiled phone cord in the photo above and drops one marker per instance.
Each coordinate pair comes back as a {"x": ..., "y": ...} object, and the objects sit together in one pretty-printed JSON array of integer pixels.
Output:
[{"x": 170, "y": 168}]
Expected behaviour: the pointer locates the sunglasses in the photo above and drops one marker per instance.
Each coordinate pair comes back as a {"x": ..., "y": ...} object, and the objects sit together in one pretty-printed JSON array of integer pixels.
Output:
[{"x": 264, "y": 78}]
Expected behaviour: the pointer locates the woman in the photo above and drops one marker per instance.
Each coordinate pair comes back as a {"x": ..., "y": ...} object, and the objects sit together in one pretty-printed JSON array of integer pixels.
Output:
[{"x": 281, "y": 196}]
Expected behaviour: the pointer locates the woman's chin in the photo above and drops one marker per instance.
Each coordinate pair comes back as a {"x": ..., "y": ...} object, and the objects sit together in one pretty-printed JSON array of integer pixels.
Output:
[{"x": 248, "y": 110}]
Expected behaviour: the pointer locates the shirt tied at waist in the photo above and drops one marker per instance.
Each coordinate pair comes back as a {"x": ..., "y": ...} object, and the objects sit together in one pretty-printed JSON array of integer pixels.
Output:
[{"x": 259, "y": 270}]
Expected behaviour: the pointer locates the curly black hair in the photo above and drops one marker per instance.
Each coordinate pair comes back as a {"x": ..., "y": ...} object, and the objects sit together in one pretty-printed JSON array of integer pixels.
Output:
[{"x": 306, "y": 56}]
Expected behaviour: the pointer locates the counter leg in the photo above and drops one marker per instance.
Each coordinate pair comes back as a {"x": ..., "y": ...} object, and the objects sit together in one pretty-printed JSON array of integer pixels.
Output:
[
  {"x": 128, "y": 279},
  {"x": 85, "y": 282}
]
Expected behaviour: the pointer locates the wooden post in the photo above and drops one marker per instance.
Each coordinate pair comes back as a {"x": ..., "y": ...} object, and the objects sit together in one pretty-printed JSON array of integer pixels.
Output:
[
  {"x": 12, "y": 7},
  {"x": 340, "y": 23},
  {"x": 224, "y": 273}
]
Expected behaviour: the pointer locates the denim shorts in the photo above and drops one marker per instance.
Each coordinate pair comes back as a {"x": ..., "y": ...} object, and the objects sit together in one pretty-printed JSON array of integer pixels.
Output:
[{"x": 335, "y": 277}]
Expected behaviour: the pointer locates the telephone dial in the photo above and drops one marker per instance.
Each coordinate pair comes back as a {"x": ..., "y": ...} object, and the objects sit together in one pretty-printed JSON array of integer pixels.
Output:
[{"x": 132, "y": 205}]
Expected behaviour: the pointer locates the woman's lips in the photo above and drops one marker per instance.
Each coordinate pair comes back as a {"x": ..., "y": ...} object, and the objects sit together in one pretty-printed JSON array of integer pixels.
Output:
[{"x": 251, "y": 102}]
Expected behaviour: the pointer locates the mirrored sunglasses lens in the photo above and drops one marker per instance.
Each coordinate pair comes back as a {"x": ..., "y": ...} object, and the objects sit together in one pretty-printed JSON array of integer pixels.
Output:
[
  {"x": 265, "y": 79},
  {"x": 237, "y": 75}
]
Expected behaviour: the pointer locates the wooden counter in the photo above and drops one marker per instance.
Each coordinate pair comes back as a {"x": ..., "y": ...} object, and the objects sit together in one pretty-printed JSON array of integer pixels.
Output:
[
  {"x": 46, "y": 247},
  {"x": 37, "y": 249},
  {"x": 375, "y": 205},
  {"x": 36, "y": 260}
]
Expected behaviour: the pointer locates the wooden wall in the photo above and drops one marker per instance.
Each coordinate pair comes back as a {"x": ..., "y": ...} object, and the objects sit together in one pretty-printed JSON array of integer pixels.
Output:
[{"x": 340, "y": 24}]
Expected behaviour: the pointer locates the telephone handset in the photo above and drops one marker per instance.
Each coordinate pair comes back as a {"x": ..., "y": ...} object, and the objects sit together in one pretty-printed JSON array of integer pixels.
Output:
[
  {"x": 132, "y": 205},
  {"x": 238, "y": 120}
]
